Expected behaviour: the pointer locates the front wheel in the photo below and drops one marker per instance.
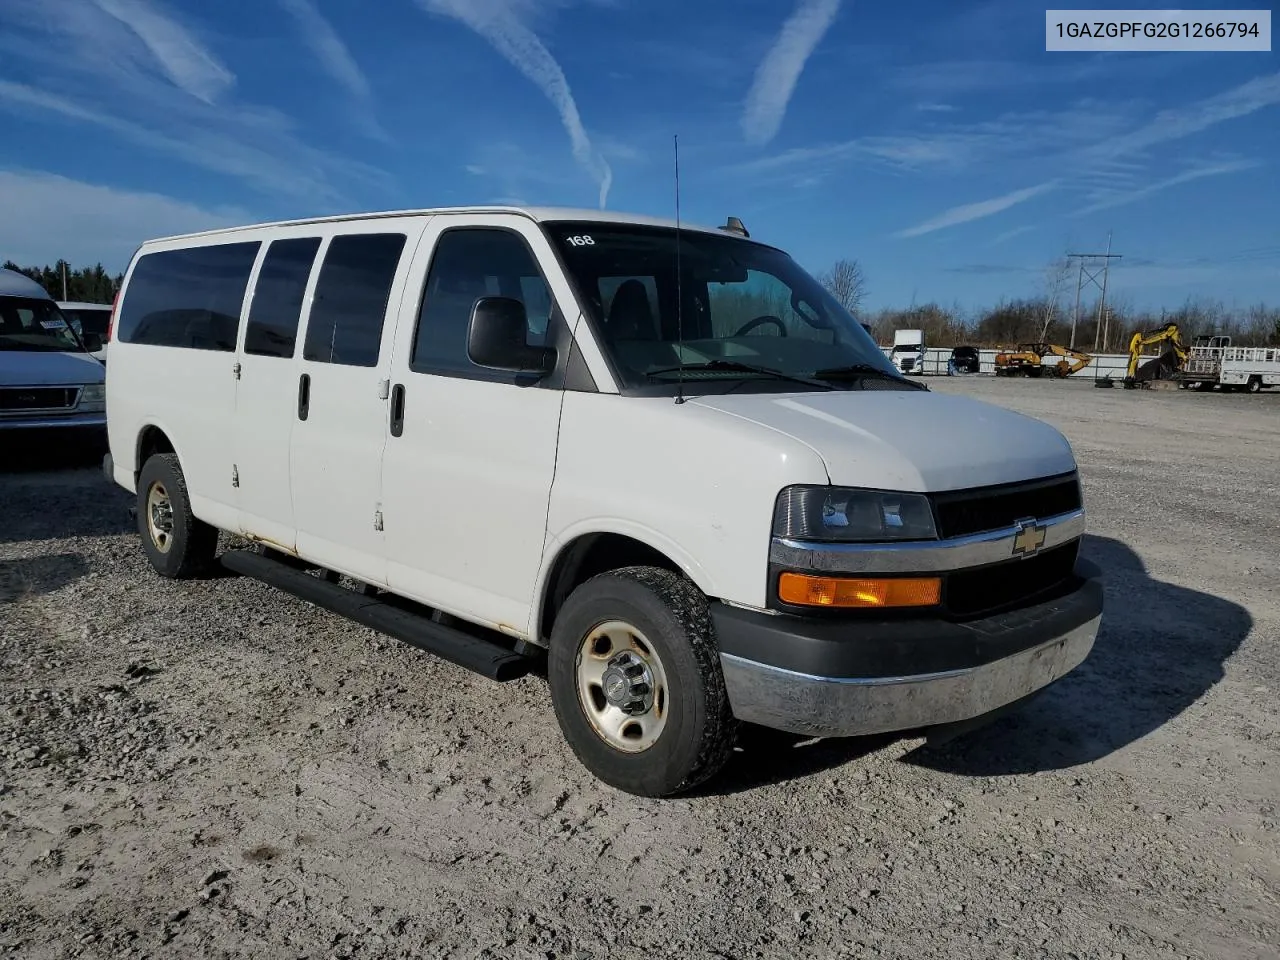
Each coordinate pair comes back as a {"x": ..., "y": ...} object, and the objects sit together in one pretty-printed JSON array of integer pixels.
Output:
[
  {"x": 635, "y": 679},
  {"x": 178, "y": 544}
]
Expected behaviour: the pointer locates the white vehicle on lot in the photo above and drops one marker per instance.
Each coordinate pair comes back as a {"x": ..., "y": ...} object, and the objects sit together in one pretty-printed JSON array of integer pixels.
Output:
[
  {"x": 908, "y": 351},
  {"x": 702, "y": 491},
  {"x": 1249, "y": 368},
  {"x": 1212, "y": 360},
  {"x": 91, "y": 321},
  {"x": 47, "y": 380}
]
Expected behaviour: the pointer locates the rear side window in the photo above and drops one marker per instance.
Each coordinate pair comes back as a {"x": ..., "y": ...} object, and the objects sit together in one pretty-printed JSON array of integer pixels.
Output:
[
  {"x": 351, "y": 296},
  {"x": 187, "y": 298},
  {"x": 277, "y": 297}
]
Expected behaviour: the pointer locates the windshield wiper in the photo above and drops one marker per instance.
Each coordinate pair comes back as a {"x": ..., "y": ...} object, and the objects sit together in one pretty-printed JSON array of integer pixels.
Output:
[
  {"x": 734, "y": 365},
  {"x": 861, "y": 371},
  {"x": 80, "y": 341}
]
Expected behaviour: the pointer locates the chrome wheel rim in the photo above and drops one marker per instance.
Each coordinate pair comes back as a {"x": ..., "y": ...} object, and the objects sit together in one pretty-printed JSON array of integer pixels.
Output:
[
  {"x": 622, "y": 686},
  {"x": 160, "y": 517}
]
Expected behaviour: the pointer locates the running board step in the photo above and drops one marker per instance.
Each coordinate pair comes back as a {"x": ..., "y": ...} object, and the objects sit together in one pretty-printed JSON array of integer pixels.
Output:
[{"x": 481, "y": 656}]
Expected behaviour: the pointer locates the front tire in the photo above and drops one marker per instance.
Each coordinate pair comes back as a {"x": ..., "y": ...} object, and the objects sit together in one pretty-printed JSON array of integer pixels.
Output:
[
  {"x": 178, "y": 544},
  {"x": 635, "y": 679}
]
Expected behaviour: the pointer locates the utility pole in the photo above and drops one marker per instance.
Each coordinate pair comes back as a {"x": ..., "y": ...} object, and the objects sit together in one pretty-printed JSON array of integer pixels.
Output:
[
  {"x": 1092, "y": 267},
  {"x": 64, "y": 281}
]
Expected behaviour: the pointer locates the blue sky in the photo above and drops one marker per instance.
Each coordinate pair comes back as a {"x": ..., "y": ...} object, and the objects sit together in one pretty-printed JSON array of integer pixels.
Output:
[{"x": 936, "y": 142}]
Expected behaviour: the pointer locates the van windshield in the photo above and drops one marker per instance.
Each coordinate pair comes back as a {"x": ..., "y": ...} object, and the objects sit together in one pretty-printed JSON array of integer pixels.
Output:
[
  {"x": 29, "y": 324},
  {"x": 744, "y": 305}
]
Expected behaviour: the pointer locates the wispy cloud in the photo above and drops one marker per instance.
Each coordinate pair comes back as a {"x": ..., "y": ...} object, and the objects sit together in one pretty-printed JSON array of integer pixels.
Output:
[
  {"x": 182, "y": 58},
  {"x": 1111, "y": 199},
  {"x": 335, "y": 58},
  {"x": 1180, "y": 122},
  {"x": 1111, "y": 168},
  {"x": 274, "y": 163},
  {"x": 936, "y": 108},
  {"x": 976, "y": 211},
  {"x": 87, "y": 223},
  {"x": 502, "y": 24},
  {"x": 131, "y": 94},
  {"x": 780, "y": 70},
  {"x": 1010, "y": 234}
]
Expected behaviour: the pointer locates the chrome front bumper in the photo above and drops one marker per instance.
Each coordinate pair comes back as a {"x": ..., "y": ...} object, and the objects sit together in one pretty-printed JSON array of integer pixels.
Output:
[
  {"x": 857, "y": 706},
  {"x": 831, "y": 677}
]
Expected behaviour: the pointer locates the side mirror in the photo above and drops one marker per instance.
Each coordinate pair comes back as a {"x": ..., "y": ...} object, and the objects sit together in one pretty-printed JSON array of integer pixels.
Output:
[
  {"x": 497, "y": 337},
  {"x": 92, "y": 341}
]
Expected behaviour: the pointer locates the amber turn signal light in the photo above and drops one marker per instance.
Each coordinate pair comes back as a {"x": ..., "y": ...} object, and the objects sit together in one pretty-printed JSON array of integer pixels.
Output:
[{"x": 807, "y": 591}]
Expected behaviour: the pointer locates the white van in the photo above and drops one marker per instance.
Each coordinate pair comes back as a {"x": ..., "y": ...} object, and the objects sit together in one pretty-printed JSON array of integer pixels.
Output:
[
  {"x": 48, "y": 382},
  {"x": 665, "y": 459}
]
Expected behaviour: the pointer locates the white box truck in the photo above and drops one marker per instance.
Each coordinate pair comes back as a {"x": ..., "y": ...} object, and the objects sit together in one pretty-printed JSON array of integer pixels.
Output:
[
  {"x": 908, "y": 351},
  {"x": 689, "y": 517}
]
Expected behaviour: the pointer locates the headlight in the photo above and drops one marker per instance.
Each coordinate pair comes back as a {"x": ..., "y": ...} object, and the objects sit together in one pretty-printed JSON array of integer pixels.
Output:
[
  {"x": 93, "y": 398},
  {"x": 842, "y": 514}
]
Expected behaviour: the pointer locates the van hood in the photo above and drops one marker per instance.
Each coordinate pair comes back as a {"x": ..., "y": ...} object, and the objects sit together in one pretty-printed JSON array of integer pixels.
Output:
[
  {"x": 908, "y": 440},
  {"x": 37, "y": 368}
]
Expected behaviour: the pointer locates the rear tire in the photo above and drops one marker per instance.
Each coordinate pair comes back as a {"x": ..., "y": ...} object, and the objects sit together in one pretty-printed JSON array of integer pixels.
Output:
[
  {"x": 645, "y": 635},
  {"x": 1254, "y": 385},
  {"x": 178, "y": 544}
]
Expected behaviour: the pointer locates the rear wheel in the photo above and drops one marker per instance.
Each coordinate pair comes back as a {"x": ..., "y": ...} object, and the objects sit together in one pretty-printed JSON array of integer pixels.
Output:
[
  {"x": 1254, "y": 385},
  {"x": 177, "y": 543},
  {"x": 636, "y": 683}
]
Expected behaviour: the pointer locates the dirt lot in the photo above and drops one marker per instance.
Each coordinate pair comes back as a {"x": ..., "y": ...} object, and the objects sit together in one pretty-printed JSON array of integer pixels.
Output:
[{"x": 215, "y": 769}]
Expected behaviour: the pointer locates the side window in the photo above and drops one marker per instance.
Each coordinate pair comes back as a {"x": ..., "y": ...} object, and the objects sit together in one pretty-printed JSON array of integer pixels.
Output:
[
  {"x": 470, "y": 263},
  {"x": 351, "y": 298},
  {"x": 733, "y": 305},
  {"x": 187, "y": 298},
  {"x": 277, "y": 297}
]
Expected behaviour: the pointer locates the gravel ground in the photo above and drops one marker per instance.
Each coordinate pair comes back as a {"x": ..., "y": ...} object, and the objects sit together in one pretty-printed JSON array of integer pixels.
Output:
[{"x": 214, "y": 769}]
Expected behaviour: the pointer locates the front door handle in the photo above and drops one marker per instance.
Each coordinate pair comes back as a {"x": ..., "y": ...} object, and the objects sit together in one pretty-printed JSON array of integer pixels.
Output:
[
  {"x": 397, "y": 410},
  {"x": 304, "y": 396}
]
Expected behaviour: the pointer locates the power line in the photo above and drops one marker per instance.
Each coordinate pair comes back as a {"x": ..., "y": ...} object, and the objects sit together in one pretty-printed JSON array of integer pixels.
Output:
[{"x": 1093, "y": 265}]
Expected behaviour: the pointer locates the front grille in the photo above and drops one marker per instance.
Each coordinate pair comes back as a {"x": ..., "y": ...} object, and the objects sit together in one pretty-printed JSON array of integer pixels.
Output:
[
  {"x": 986, "y": 589},
  {"x": 962, "y": 512},
  {"x": 15, "y": 399}
]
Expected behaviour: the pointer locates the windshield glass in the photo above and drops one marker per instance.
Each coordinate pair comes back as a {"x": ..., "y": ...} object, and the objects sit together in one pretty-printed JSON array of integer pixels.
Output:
[
  {"x": 743, "y": 304},
  {"x": 34, "y": 325},
  {"x": 86, "y": 320}
]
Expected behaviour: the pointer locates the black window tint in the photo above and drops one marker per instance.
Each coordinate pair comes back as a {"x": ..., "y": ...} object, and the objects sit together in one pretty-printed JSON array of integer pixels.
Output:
[
  {"x": 187, "y": 298},
  {"x": 351, "y": 298},
  {"x": 470, "y": 263},
  {"x": 89, "y": 321},
  {"x": 277, "y": 297}
]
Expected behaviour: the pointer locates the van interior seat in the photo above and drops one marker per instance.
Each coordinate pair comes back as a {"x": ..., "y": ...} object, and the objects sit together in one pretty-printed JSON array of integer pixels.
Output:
[{"x": 630, "y": 315}]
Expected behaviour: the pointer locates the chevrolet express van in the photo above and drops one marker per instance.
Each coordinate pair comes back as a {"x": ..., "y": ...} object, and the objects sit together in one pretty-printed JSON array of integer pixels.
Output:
[{"x": 661, "y": 460}]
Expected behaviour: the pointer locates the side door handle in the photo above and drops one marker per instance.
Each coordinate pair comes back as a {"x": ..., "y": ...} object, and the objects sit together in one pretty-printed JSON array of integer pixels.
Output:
[
  {"x": 397, "y": 410},
  {"x": 304, "y": 396}
]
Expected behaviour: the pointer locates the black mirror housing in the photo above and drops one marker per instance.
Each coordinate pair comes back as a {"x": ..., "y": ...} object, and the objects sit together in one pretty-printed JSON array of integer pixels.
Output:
[
  {"x": 92, "y": 342},
  {"x": 497, "y": 338}
]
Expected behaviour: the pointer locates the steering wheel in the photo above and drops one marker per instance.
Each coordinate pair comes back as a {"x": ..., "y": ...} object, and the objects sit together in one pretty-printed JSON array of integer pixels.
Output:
[{"x": 759, "y": 321}]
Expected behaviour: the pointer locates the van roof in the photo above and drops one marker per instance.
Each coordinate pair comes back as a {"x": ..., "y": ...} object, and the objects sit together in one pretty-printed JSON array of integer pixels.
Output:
[
  {"x": 15, "y": 284},
  {"x": 82, "y": 305},
  {"x": 539, "y": 214}
]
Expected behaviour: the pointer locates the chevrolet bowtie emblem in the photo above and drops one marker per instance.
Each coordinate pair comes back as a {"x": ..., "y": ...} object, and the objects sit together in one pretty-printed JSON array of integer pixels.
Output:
[{"x": 1029, "y": 538}]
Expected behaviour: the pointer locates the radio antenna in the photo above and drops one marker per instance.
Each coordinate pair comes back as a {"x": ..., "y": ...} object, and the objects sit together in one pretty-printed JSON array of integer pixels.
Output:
[{"x": 679, "y": 292}]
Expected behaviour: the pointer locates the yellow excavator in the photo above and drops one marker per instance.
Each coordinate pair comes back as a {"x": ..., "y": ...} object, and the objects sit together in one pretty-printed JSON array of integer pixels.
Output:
[
  {"x": 1162, "y": 367},
  {"x": 1028, "y": 361}
]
